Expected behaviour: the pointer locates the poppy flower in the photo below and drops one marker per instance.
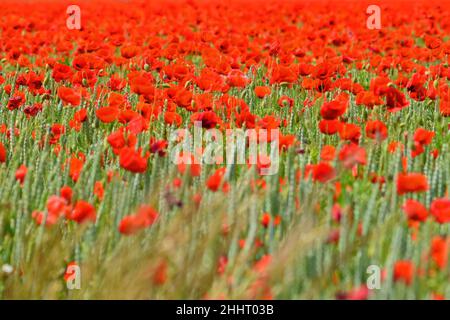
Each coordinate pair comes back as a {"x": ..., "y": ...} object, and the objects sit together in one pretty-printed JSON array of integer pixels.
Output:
[
  {"x": 75, "y": 167},
  {"x": 328, "y": 153},
  {"x": 215, "y": 180},
  {"x": 208, "y": 119},
  {"x": 440, "y": 209},
  {"x": 62, "y": 72},
  {"x": 21, "y": 172},
  {"x": 333, "y": 110},
  {"x": 350, "y": 131},
  {"x": 262, "y": 91},
  {"x": 352, "y": 154},
  {"x": 432, "y": 42},
  {"x": 56, "y": 207},
  {"x": 376, "y": 130},
  {"x": 404, "y": 271},
  {"x": 66, "y": 192},
  {"x": 395, "y": 100},
  {"x": 129, "y": 52},
  {"x": 323, "y": 172},
  {"x": 415, "y": 211},
  {"x": 173, "y": 118},
  {"x": 2, "y": 153},
  {"x": 143, "y": 218},
  {"x": 68, "y": 274},
  {"x": 159, "y": 147},
  {"x": 107, "y": 114},
  {"x": 69, "y": 96},
  {"x": 99, "y": 191},
  {"x": 329, "y": 127},
  {"x": 422, "y": 136},
  {"x": 411, "y": 182},
  {"x": 281, "y": 73},
  {"x": 83, "y": 211},
  {"x": 131, "y": 160},
  {"x": 439, "y": 251}
]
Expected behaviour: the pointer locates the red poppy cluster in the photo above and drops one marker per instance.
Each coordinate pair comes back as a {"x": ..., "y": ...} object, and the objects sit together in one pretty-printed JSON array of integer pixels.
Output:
[{"x": 138, "y": 69}]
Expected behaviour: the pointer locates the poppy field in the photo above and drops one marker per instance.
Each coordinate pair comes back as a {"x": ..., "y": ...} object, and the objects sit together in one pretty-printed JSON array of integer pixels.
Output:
[{"x": 96, "y": 99}]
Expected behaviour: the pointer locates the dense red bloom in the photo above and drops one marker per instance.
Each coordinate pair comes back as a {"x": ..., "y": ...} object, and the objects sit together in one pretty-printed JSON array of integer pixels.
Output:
[
  {"x": 328, "y": 153},
  {"x": 423, "y": 137},
  {"x": 323, "y": 172},
  {"x": 440, "y": 209},
  {"x": 131, "y": 160},
  {"x": 83, "y": 211},
  {"x": 69, "y": 96},
  {"x": 208, "y": 119},
  {"x": 411, "y": 182},
  {"x": 432, "y": 42},
  {"x": 395, "y": 100},
  {"x": 76, "y": 165},
  {"x": 376, "y": 130},
  {"x": 56, "y": 207},
  {"x": 129, "y": 51},
  {"x": 21, "y": 172},
  {"x": 262, "y": 91},
  {"x": 439, "y": 251},
  {"x": 144, "y": 218},
  {"x": 369, "y": 99},
  {"x": 173, "y": 118},
  {"x": 404, "y": 271},
  {"x": 415, "y": 211},
  {"x": 351, "y": 154},
  {"x": 62, "y": 72},
  {"x": 281, "y": 73},
  {"x": 159, "y": 147},
  {"x": 2, "y": 153},
  {"x": 215, "y": 180},
  {"x": 107, "y": 114},
  {"x": 66, "y": 193},
  {"x": 349, "y": 131},
  {"x": 333, "y": 110},
  {"x": 329, "y": 126}
]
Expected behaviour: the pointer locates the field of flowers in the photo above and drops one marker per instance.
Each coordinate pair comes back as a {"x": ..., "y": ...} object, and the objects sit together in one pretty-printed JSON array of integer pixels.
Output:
[{"x": 92, "y": 206}]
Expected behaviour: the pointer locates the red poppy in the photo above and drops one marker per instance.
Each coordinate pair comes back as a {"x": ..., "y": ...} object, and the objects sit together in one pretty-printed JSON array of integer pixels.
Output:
[
  {"x": 21, "y": 172},
  {"x": 216, "y": 180},
  {"x": 440, "y": 209},
  {"x": 69, "y": 96},
  {"x": 2, "y": 153},
  {"x": 83, "y": 211},
  {"x": 415, "y": 211},
  {"x": 352, "y": 154},
  {"x": 329, "y": 127},
  {"x": 323, "y": 172},
  {"x": 208, "y": 119},
  {"x": 328, "y": 153},
  {"x": 349, "y": 131},
  {"x": 404, "y": 271},
  {"x": 143, "y": 218},
  {"x": 262, "y": 91},
  {"x": 131, "y": 160},
  {"x": 411, "y": 182},
  {"x": 376, "y": 130},
  {"x": 107, "y": 114},
  {"x": 173, "y": 118},
  {"x": 439, "y": 251},
  {"x": 333, "y": 110}
]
